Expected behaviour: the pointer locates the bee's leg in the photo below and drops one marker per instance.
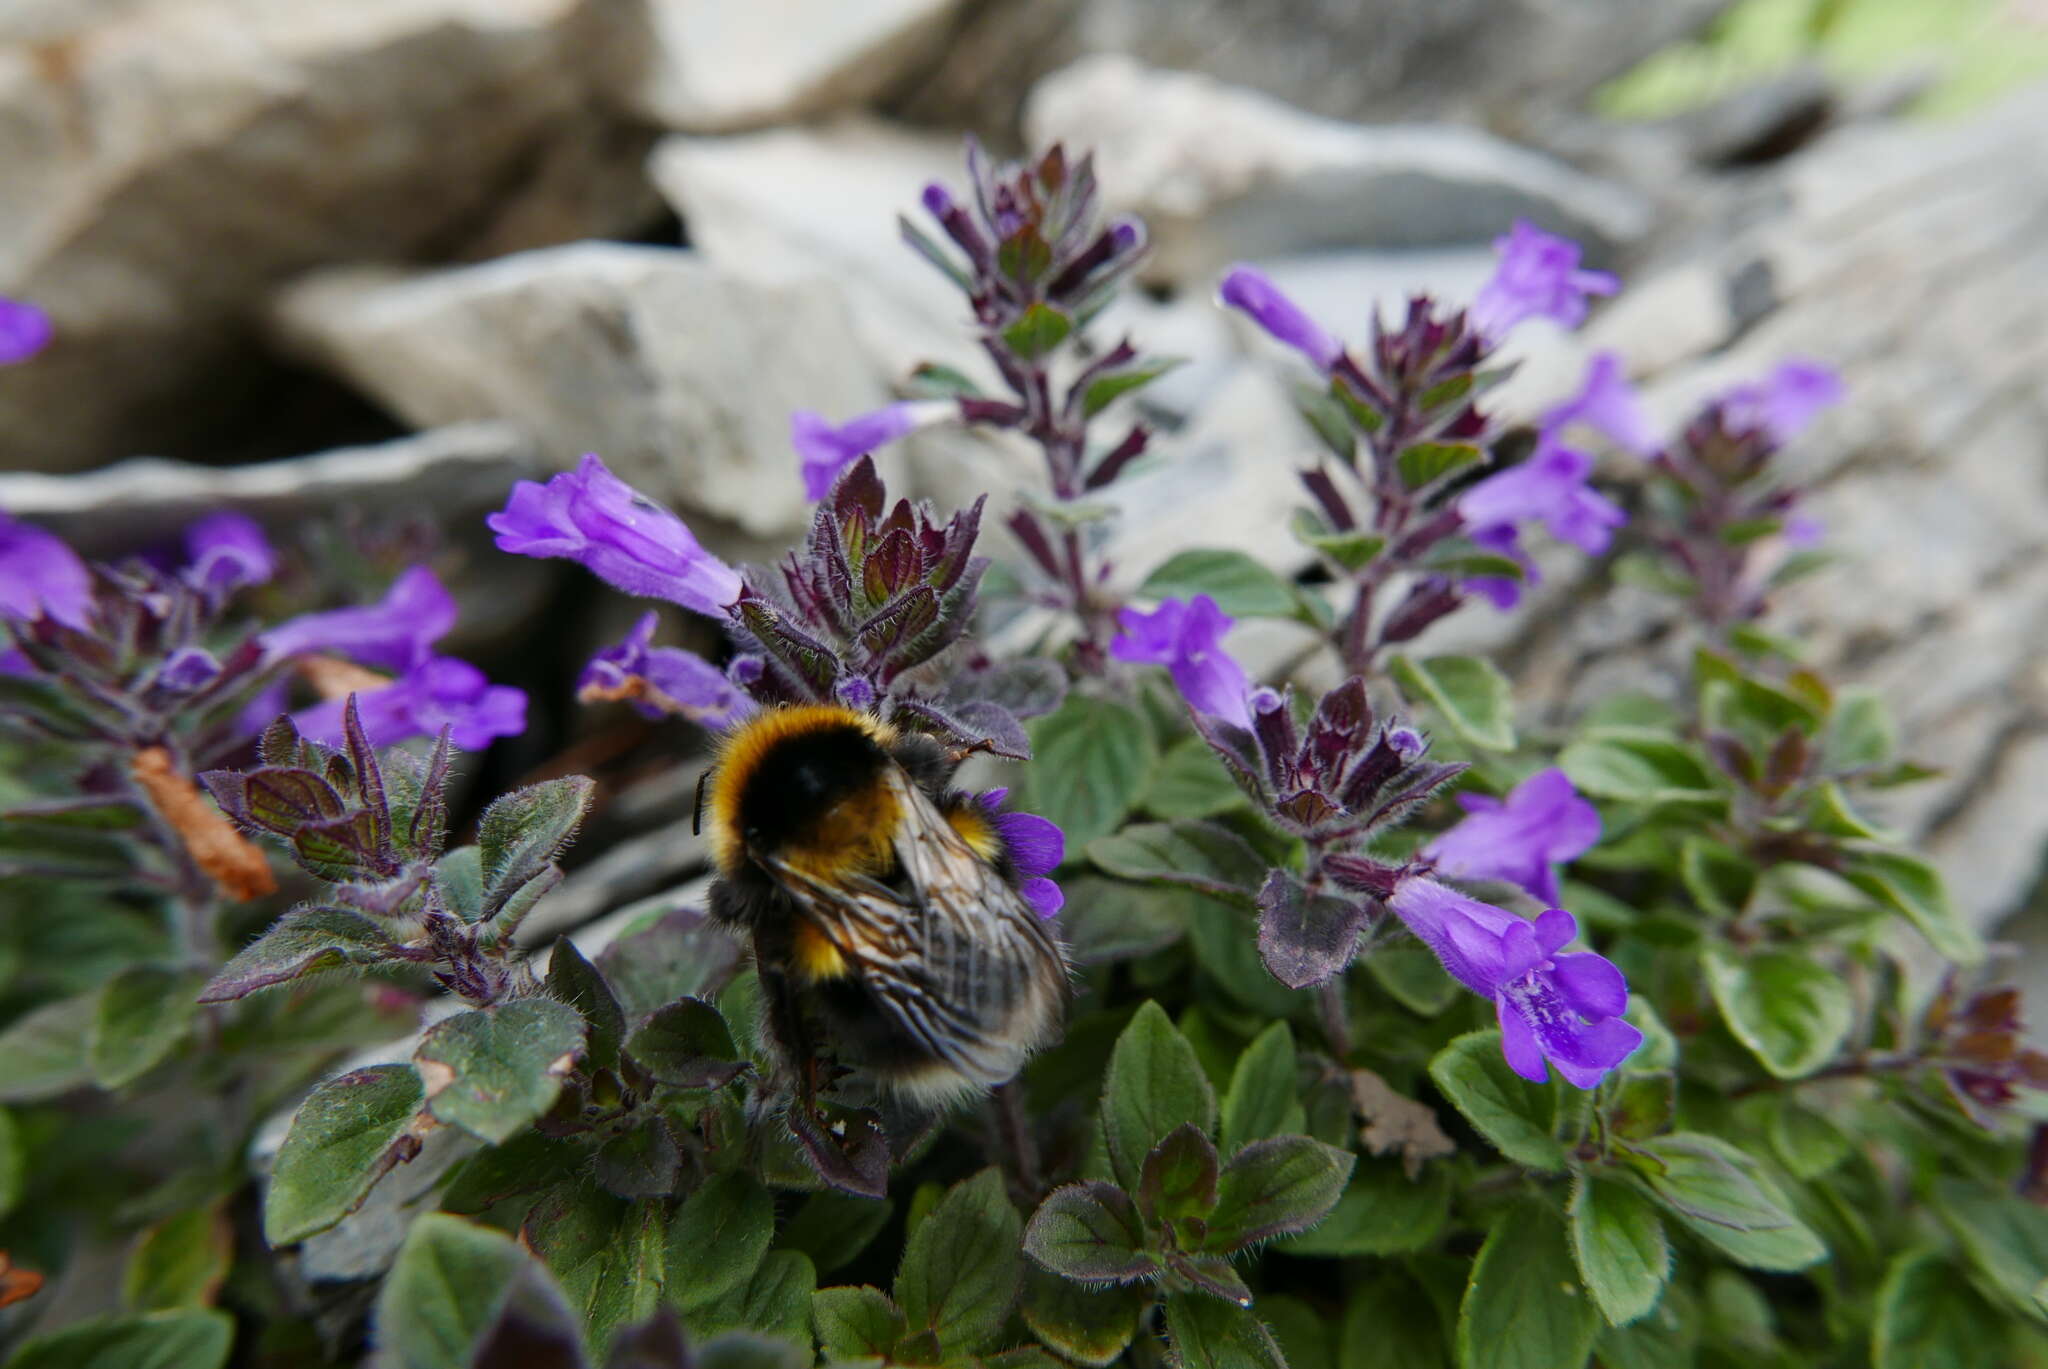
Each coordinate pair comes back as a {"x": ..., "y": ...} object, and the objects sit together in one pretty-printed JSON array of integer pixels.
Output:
[{"x": 788, "y": 1029}]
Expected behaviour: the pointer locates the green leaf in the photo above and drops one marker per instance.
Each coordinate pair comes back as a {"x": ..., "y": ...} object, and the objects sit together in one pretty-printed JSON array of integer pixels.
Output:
[
  {"x": 1091, "y": 1233},
  {"x": 1389, "y": 1324},
  {"x": 856, "y": 1321},
  {"x": 1197, "y": 855},
  {"x": 687, "y": 1045},
  {"x": 180, "y": 1262},
  {"x": 304, "y": 941},
  {"x": 13, "y": 1163},
  {"x": 493, "y": 1072},
  {"x": 1382, "y": 1212},
  {"x": 1638, "y": 766},
  {"x": 1107, "y": 389},
  {"x": 961, "y": 1268},
  {"x": 1425, "y": 462},
  {"x": 1792, "y": 1013},
  {"x": 42, "y": 1053},
  {"x": 521, "y": 833},
  {"x": 1913, "y": 888},
  {"x": 1719, "y": 1192},
  {"x": 1274, "y": 1188},
  {"x": 1190, "y": 782},
  {"x": 1353, "y": 550},
  {"x": 188, "y": 1339},
  {"x": 717, "y": 1239},
  {"x": 775, "y": 1302},
  {"x": 1620, "y": 1246},
  {"x": 1860, "y": 733},
  {"x": 1928, "y": 1316},
  {"x": 1414, "y": 978},
  {"x": 144, "y": 1013},
  {"x": 1207, "y": 1333},
  {"x": 1038, "y": 331},
  {"x": 1261, "y": 1100},
  {"x": 1154, "y": 1085},
  {"x": 1721, "y": 880},
  {"x": 2005, "y": 1238},
  {"x": 1090, "y": 1326},
  {"x": 1090, "y": 761},
  {"x": 832, "y": 1228},
  {"x": 1665, "y": 1337},
  {"x": 1509, "y": 1111},
  {"x": 1241, "y": 586},
  {"x": 1806, "y": 1143},
  {"x": 344, "y": 1138},
  {"x": 740, "y": 1350},
  {"x": 577, "y": 982},
  {"x": 1830, "y": 813},
  {"x": 1179, "y": 1177},
  {"x": 444, "y": 1291},
  {"x": 1523, "y": 1309},
  {"x": 1469, "y": 692},
  {"x": 608, "y": 1253},
  {"x": 1112, "y": 919}
]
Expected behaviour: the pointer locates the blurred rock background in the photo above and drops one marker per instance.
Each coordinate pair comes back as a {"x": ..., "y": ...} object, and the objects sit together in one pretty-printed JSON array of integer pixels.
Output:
[{"x": 374, "y": 261}]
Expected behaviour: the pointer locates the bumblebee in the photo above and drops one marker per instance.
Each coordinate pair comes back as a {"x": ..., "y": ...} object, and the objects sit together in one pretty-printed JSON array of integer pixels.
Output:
[{"x": 883, "y": 908}]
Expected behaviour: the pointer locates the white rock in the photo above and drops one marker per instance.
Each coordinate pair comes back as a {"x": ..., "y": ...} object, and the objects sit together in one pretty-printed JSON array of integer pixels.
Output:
[
  {"x": 798, "y": 203},
  {"x": 680, "y": 375},
  {"x": 712, "y": 66},
  {"x": 1221, "y": 173},
  {"x": 168, "y": 162}
]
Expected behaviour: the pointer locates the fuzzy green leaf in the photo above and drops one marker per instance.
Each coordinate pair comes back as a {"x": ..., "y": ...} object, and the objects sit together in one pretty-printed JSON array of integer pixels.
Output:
[
  {"x": 1106, "y": 390},
  {"x": 180, "y": 1262},
  {"x": 184, "y": 1339},
  {"x": 608, "y": 1254},
  {"x": 1509, "y": 1111},
  {"x": 1721, "y": 1194},
  {"x": 1469, "y": 692},
  {"x": 1090, "y": 761},
  {"x": 1261, "y": 1100},
  {"x": 344, "y": 1138},
  {"x": 1523, "y": 1309},
  {"x": 522, "y": 832},
  {"x": 577, "y": 982},
  {"x": 444, "y": 1291},
  {"x": 856, "y": 1321},
  {"x": 1791, "y": 1012},
  {"x": 494, "y": 1071},
  {"x": 1381, "y": 1212},
  {"x": 962, "y": 1268},
  {"x": 42, "y": 1053},
  {"x": 1091, "y": 1233},
  {"x": 2006, "y": 1239},
  {"x": 1620, "y": 1246},
  {"x": 1038, "y": 331},
  {"x": 1274, "y": 1188},
  {"x": 1208, "y": 1333},
  {"x": 144, "y": 1013},
  {"x": 1198, "y": 855},
  {"x": 1638, "y": 766},
  {"x": 1090, "y": 1326},
  {"x": 1189, "y": 782},
  {"x": 1154, "y": 1085},
  {"x": 304, "y": 941},
  {"x": 717, "y": 1239}
]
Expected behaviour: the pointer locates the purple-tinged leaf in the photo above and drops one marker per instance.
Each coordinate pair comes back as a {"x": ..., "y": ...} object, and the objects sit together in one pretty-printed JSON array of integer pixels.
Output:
[
  {"x": 369, "y": 779},
  {"x": 851, "y": 1154},
  {"x": 656, "y": 1343},
  {"x": 1276, "y": 1187},
  {"x": 276, "y": 800},
  {"x": 886, "y": 632},
  {"x": 1090, "y": 1233},
  {"x": 304, "y": 941},
  {"x": 575, "y": 981},
  {"x": 343, "y": 848},
  {"x": 892, "y": 565},
  {"x": 533, "y": 1328},
  {"x": 1305, "y": 937},
  {"x": 347, "y": 1135},
  {"x": 687, "y": 1045},
  {"x": 521, "y": 833},
  {"x": 1211, "y": 1274},
  {"x": 1179, "y": 1176}
]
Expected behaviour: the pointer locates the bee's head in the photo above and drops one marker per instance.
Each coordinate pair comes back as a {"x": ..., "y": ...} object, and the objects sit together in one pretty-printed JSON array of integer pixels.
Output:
[{"x": 797, "y": 780}]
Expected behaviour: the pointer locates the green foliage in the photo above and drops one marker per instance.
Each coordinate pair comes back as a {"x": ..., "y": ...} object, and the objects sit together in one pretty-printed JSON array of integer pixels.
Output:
[{"x": 1468, "y": 692}]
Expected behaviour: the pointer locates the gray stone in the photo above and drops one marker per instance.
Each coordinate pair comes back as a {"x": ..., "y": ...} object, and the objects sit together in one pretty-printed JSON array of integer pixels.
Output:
[
  {"x": 713, "y": 66},
  {"x": 1221, "y": 173},
  {"x": 679, "y": 374},
  {"x": 169, "y": 162}
]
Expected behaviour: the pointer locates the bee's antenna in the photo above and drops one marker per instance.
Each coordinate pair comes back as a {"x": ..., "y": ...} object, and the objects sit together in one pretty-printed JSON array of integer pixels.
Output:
[{"x": 697, "y": 814}]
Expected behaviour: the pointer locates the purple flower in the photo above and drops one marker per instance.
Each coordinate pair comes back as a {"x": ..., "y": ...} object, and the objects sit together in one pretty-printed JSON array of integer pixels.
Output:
[
  {"x": 826, "y": 450},
  {"x": 41, "y": 577},
  {"x": 1607, "y": 403},
  {"x": 12, "y": 662},
  {"x": 439, "y": 691},
  {"x": 1563, "y": 1008},
  {"x": 1785, "y": 402},
  {"x": 1538, "y": 275},
  {"x": 1522, "y": 838},
  {"x": 1249, "y": 289},
  {"x": 24, "y": 330},
  {"x": 1504, "y": 591},
  {"x": 1804, "y": 531},
  {"x": 393, "y": 634},
  {"x": 1037, "y": 846},
  {"x": 662, "y": 681},
  {"x": 226, "y": 551},
  {"x": 1550, "y": 486},
  {"x": 186, "y": 669},
  {"x": 1187, "y": 638},
  {"x": 592, "y": 517}
]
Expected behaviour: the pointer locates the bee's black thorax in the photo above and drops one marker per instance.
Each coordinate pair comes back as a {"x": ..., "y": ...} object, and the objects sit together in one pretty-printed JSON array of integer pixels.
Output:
[{"x": 798, "y": 782}]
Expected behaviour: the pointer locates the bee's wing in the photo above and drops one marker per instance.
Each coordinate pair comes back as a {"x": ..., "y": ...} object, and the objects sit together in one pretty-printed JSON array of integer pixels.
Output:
[{"x": 962, "y": 963}]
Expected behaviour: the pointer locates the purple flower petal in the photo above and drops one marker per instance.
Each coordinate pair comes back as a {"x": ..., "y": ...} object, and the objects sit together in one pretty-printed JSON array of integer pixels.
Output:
[
  {"x": 186, "y": 669},
  {"x": 828, "y": 450},
  {"x": 1250, "y": 290},
  {"x": 592, "y": 517},
  {"x": 1037, "y": 844},
  {"x": 12, "y": 662},
  {"x": 1465, "y": 933},
  {"x": 1554, "y": 930},
  {"x": 1582, "y": 1050},
  {"x": 1187, "y": 638},
  {"x": 1550, "y": 486},
  {"x": 41, "y": 577},
  {"x": 1591, "y": 984},
  {"x": 226, "y": 551},
  {"x": 1045, "y": 897},
  {"x": 662, "y": 681},
  {"x": 393, "y": 634},
  {"x": 1788, "y": 399},
  {"x": 1538, "y": 276},
  {"x": 1519, "y": 951},
  {"x": 24, "y": 330},
  {"x": 1607, "y": 403},
  {"x": 439, "y": 692},
  {"x": 1523, "y": 838},
  {"x": 1518, "y": 1044}
]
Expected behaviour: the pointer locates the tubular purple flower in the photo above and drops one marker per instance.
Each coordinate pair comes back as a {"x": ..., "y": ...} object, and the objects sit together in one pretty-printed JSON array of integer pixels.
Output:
[
  {"x": 1788, "y": 399},
  {"x": 1566, "y": 1009},
  {"x": 1538, "y": 276},
  {"x": 1503, "y": 591},
  {"x": 186, "y": 669},
  {"x": 42, "y": 577},
  {"x": 597, "y": 520},
  {"x": 24, "y": 330},
  {"x": 439, "y": 691},
  {"x": 1550, "y": 486},
  {"x": 1249, "y": 289},
  {"x": 1037, "y": 846},
  {"x": 827, "y": 451},
  {"x": 662, "y": 681},
  {"x": 1187, "y": 638},
  {"x": 226, "y": 551},
  {"x": 393, "y": 634},
  {"x": 1608, "y": 404},
  {"x": 1521, "y": 839}
]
